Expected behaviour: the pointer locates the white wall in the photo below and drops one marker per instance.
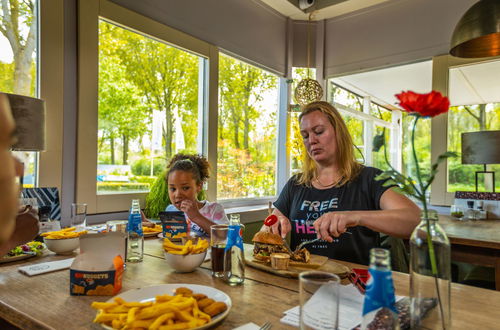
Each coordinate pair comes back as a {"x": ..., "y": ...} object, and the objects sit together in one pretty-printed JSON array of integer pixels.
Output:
[
  {"x": 400, "y": 31},
  {"x": 245, "y": 27}
]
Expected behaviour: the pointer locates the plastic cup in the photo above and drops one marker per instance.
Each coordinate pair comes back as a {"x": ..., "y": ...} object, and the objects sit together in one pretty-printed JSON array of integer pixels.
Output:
[{"x": 79, "y": 216}]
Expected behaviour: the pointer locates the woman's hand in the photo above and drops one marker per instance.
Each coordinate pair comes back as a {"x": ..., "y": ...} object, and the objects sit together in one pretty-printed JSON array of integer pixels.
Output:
[
  {"x": 334, "y": 224},
  {"x": 282, "y": 227}
]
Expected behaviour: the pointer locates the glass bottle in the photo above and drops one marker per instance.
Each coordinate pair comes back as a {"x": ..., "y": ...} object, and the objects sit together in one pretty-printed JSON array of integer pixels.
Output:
[
  {"x": 135, "y": 239},
  {"x": 234, "y": 256},
  {"x": 481, "y": 213},
  {"x": 430, "y": 290},
  {"x": 379, "y": 310}
]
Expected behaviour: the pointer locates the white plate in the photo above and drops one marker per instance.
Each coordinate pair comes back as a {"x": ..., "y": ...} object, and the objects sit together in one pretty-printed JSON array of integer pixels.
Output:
[
  {"x": 149, "y": 293},
  {"x": 152, "y": 234}
]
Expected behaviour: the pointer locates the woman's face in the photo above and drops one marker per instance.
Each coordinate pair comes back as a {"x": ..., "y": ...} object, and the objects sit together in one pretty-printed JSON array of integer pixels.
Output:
[
  {"x": 181, "y": 186},
  {"x": 319, "y": 137}
]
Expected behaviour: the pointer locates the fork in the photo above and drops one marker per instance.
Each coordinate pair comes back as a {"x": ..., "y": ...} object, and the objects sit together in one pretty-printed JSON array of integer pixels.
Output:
[
  {"x": 301, "y": 245},
  {"x": 266, "y": 326}
]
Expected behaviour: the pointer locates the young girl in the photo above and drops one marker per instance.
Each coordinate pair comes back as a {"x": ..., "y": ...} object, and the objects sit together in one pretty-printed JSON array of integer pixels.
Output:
[{"x": 185, "y": 177}]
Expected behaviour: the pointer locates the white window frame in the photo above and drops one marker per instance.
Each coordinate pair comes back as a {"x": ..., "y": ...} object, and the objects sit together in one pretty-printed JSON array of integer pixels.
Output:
[
  {"x": 369, "y": 123},
  {"x": 282, "y": 158},
  {"x": 90, "y": 12}
]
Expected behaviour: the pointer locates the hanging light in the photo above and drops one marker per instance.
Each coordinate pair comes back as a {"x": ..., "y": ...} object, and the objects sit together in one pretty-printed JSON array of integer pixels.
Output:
[
  {"x": 308, "y": 90},
  {"x": 477, "y": 33}
]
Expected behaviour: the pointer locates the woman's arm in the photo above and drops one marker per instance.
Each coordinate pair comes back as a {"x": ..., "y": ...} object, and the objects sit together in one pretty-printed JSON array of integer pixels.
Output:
[
  {"x": 398, "y": 217},
  {"x": 282, "y": 227}
]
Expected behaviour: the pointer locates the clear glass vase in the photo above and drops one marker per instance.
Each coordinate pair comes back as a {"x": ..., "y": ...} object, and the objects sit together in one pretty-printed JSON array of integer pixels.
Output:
[{"x": 430, "y": 291}]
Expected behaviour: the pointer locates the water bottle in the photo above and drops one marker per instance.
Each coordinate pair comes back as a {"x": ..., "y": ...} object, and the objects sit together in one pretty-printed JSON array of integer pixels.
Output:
[
  {"x": 379, "y": 310},
  {"x": 135, "y": 236},
  {"x": 234, "y": 257}
]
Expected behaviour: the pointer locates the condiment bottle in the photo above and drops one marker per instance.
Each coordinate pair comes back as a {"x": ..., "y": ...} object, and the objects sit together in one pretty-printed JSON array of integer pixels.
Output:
[
  {"x": 135, "y": 241},
  {"x": 234, "y": 257},
  {"x": 379, "y": 310}
]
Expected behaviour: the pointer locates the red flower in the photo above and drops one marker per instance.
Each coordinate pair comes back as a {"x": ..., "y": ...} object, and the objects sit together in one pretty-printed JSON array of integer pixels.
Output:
[{"x": 426, "y": 105}]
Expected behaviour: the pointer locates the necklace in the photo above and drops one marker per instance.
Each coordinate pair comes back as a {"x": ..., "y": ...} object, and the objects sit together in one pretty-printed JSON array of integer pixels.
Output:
[{"x": 334, "y": 183}]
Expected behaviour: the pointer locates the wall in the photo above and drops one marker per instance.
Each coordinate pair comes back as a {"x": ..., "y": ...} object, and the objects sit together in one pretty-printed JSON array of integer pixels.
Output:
[
  {"x": 392, "y": 33},
  {"x": 247, "y": 28}
]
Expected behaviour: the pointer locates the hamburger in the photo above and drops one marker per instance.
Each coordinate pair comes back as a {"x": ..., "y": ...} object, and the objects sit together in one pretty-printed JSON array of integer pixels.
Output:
[{"x": 266, "y": 243}]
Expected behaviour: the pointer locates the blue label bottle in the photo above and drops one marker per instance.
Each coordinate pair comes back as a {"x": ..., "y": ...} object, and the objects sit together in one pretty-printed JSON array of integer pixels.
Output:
[
  {"x": 234, "y": 257},
  {"x": 135, "y": 237},
  {"x": 379, "y": 310}
]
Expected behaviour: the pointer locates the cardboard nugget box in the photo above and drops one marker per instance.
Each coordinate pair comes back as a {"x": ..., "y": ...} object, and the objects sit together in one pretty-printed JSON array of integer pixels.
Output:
[
  {"x": 98, "y": 269},
  {"x": 174, "y": 224}
]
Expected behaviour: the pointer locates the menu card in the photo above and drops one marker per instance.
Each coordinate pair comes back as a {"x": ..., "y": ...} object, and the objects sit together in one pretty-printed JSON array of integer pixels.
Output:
[{"x": 350, "y": 308}]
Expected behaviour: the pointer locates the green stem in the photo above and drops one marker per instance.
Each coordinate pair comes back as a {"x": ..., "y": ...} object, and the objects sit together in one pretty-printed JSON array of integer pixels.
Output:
[{"x": 432, "y": 254}]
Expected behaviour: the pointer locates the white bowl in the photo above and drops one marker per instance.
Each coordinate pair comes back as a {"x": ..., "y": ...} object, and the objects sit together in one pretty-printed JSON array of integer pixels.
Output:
[
  {"x": 184, "y": 263},
  {"x": 62, "y": 246}
]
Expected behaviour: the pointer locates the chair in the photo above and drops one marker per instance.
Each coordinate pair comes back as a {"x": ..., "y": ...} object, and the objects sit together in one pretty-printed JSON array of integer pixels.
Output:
[{"x": 46, "y": 197}]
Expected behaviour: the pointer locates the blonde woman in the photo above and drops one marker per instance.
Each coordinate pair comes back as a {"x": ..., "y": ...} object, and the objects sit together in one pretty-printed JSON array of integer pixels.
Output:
[{"x": 335, "y": 194}]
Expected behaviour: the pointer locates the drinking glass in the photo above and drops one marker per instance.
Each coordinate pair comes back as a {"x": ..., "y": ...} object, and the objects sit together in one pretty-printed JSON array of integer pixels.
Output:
[
  {"x": 457, "y": 212},
  {"x": 218, "y": 238},
  {"x": 79, "y": 216},
  {"x": 319, "y": 300}
]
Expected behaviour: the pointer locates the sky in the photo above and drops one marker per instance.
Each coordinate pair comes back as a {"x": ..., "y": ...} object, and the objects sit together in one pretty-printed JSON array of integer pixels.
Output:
[{"x": 5, "y": 51}]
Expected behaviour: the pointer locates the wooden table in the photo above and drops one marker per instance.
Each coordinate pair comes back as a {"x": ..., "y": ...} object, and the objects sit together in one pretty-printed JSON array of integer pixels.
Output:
[
  {"x": 474, "y": 242},
  {"x": 43, "y": 301}
]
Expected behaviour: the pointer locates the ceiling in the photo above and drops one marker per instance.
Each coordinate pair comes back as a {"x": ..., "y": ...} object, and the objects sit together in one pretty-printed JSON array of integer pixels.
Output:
[
  {"x": 470, "y": 84},
  {"x": 329, "y": 8}
]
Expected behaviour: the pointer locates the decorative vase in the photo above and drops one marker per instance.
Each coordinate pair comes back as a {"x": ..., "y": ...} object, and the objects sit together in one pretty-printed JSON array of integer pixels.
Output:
[{"x": 430, "y": 290}]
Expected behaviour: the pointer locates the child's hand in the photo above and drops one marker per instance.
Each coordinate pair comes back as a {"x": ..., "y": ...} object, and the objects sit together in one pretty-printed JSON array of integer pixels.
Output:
[{"x": 190, "y": 208}]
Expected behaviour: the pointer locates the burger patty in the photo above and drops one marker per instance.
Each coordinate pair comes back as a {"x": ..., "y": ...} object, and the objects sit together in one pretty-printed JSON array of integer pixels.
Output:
[{"x": 267, "y": 249}]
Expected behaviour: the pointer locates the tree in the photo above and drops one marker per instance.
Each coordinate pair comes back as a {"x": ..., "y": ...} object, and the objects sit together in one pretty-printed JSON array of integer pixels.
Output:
[{"x": 14, "y": 16}]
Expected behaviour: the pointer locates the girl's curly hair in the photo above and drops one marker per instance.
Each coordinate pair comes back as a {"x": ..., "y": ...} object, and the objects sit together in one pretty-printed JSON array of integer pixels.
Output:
[{"x": 197, "y": 165}]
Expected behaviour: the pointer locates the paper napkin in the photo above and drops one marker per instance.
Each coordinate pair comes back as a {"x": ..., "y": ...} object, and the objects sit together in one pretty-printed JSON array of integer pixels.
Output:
[{"x": 45, "y": 267}]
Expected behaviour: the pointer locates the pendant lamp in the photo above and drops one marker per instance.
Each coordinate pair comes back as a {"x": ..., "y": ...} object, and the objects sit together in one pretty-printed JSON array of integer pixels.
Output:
[
  {"x": 308, "y": 90},
  {"x": 477, "y": 33}
]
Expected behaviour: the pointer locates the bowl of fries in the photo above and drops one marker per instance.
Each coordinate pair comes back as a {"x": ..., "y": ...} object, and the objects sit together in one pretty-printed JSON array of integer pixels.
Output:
[
  {"x": 185, "y": 258},
  {"x": 63, "y": 241}
]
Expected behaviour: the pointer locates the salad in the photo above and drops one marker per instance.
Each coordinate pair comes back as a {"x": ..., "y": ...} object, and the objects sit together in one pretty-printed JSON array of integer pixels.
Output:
[{"x": 32, "y": 247}]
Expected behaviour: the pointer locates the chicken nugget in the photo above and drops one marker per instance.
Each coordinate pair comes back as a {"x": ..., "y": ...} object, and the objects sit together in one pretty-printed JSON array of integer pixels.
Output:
[
  {"x": 199, "y": 296},
  {"x": 215, "y": 308},
  {"x": 205, "y": 302},
  {"x": 184, "y": 291}
]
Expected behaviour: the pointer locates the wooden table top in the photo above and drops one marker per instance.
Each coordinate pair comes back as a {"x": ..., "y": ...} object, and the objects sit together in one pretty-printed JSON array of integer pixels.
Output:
[
  {"x": 479, "y": 233},
  {"x": 43, "y": 301}
]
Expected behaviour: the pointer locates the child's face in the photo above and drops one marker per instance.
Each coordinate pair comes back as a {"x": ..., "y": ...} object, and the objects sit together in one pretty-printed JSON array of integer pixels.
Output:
[{"x": 181, "y": 186}]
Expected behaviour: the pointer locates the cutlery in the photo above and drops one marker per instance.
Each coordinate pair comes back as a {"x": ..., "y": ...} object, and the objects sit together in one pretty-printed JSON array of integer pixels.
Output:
[
  {"x": 301, "y": 245},
  {"x": 266, "y": 326}
]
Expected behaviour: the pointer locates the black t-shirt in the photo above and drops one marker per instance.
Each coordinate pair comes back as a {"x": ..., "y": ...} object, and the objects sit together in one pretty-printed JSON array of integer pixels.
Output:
[{"x": 303, "y": 205}]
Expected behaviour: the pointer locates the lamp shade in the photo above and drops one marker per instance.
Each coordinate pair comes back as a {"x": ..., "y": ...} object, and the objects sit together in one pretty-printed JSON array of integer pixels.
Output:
[
  {"x": 477, "y": 33},
  {"x": 481, "y": 147},
  {"x": 29, "y": 116}
]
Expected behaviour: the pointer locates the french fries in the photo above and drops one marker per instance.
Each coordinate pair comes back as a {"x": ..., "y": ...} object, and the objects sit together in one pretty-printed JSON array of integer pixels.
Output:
[
  {"x": 155, "y": 229},
  {"x": 188, "y": 248},
  {"x": 63, "y": 233},
  {"x": 166, "y": 312}
]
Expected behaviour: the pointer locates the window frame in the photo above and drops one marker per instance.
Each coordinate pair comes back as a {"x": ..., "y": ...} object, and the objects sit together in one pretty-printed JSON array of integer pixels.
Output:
[
  {"x": 90, "y": 12},
  {"x": 369, "y": 123},
  {"x": 441, "y": 66}
]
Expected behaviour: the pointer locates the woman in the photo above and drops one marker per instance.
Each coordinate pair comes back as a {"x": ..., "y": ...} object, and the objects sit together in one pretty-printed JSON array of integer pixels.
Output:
[{"x": 335, "y": 194}]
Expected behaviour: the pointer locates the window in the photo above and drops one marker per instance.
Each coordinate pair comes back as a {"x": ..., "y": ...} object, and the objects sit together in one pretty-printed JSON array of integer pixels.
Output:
[
  {"x": 247, "y": 130},
  {"x": 149, "y": 108},
  {"x": 370, "y": 124},
  {"x": 470, "y": 118},
  {"x": 19, "y": 63}
]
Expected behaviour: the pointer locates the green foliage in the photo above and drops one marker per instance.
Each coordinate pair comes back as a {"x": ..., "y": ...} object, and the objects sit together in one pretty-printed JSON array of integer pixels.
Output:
[
  {"x": 143, "y": 167},
  {"x": 157, "y": 198}
]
